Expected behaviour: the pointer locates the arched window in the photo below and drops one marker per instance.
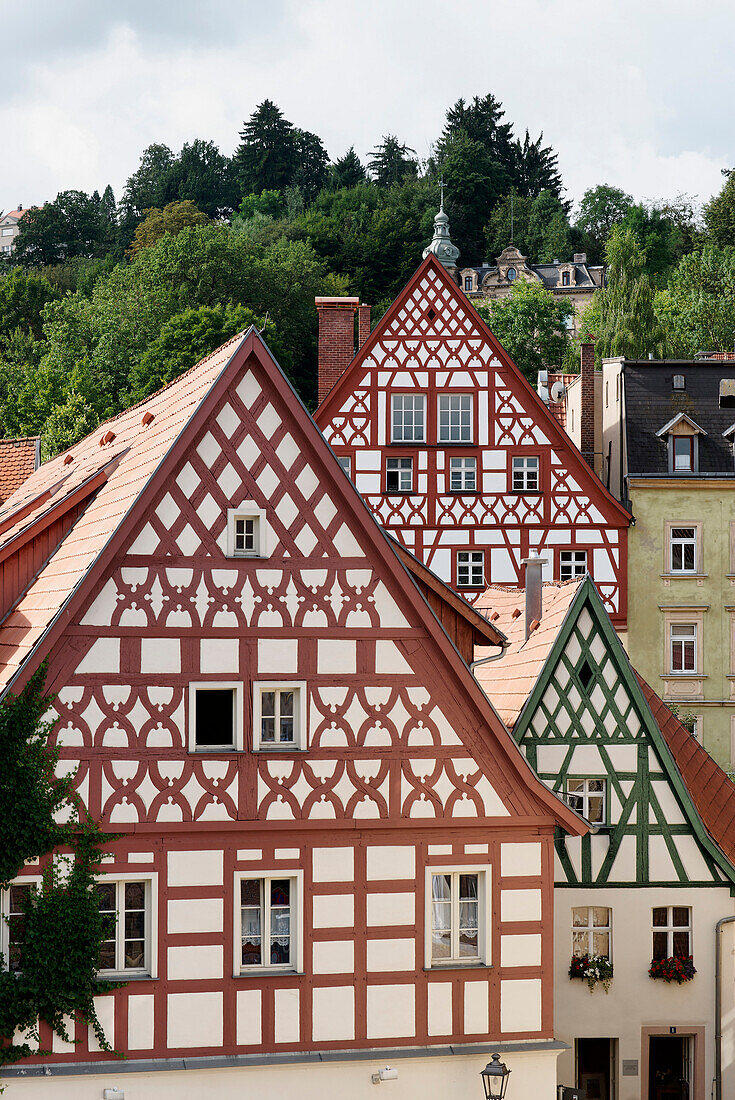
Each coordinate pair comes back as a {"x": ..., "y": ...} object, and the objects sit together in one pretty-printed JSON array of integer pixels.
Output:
[
  {"x": 468, "y": 282},
  {"x": 511, "y": 274},
  {"x": 565, "y": 278}
]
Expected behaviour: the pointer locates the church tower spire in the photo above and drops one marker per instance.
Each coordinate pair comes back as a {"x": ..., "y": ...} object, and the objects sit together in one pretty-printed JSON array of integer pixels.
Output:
[{"x": 441, "y": 244}]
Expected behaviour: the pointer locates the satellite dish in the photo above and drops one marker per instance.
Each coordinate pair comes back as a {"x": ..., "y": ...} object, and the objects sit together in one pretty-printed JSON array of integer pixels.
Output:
[{"x": 557, "y": 391}]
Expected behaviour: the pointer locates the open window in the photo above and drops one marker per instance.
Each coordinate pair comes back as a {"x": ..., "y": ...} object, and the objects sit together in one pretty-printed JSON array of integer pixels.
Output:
[{"x": 215, "y": 716}]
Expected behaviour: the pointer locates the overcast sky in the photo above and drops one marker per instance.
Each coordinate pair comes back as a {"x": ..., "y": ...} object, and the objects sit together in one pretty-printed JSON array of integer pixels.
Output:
[{"x": 636, "y": 93}]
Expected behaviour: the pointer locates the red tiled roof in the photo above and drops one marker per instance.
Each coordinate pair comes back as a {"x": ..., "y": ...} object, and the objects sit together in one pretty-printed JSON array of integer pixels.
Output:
[
  {"x": 711, "y": 789},
  {"x": 132, "y": 452},
  {"x": 509, "y": 681},
  {"x": 15, "y": 213},
  {"x": 18, "y": 459}
]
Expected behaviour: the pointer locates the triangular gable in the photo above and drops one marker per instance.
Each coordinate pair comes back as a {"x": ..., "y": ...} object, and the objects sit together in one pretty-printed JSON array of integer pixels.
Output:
[
  {"x": 587, "y": 717},
  {"x": 250, "y": 437},
  {"x": 432, "y": 305}
]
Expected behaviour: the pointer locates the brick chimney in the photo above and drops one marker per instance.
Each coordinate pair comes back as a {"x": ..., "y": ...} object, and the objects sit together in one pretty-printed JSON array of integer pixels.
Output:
[
  {"x": 363, "y": 325},
  {"x": 587, "y": 418},
  {"x": 336, "y": 339}
]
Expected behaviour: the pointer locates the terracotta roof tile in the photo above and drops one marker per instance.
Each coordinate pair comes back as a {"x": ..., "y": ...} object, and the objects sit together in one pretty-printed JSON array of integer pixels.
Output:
[
  {"x": 128, "y": 462},
  {"x": 558, "y": 409},
  {"x": 508, "y": 681},
  {"x": 711, "y": 789},
  {"x": 18, "y": 459}
]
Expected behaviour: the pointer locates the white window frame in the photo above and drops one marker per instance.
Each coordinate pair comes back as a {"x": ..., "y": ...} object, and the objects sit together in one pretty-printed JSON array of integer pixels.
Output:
[
  {"x": 249, "y": 510},
  {"x": 682, "y": 639},
  {"x": 574, "y": 560},
  {"x": 454, "y": 405},
  {"x": 484, "y": 911},
  {"x": 682, "y": 542},
  {"x": 300, "y": 740},
  {"x": 401, "y": 469},
  {"x": 523, "y": 466},
  {"x": 150, "y": 880},
  {"x": 35, "y": 881},
  {"x": 463, "y": 465},
  {"x": 296, "y": 966},
  {"x": 590, "y": 928},
  {"x": 670, "y": 929},
  {"x": 475, "y": 558},
  {"x": 237, "y": 722},
  {"x": 585, "y": 794},
  {"x": 402, "y": 437}
]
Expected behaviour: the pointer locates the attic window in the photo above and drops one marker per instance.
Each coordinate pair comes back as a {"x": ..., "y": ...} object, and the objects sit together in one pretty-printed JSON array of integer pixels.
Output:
[
  {"x": 727, "y": 393},
  {"x": 679, "y": 382},
  {"x": 585, "y": 674}
]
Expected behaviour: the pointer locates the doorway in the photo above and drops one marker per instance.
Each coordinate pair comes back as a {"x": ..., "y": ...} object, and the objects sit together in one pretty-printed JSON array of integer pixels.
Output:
[
  {"x": 669, "y": 1067},
  {"x": 594, "y": 1068}
]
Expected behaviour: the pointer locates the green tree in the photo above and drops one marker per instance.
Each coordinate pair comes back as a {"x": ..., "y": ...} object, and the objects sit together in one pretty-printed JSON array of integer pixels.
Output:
[
  {"x": 697, "y": 310},
  {"x": 480, "y": 122},
  {"x": 74, "y": 224},
  {"x": 67, "y": 423},
  {"x": 63, "y": 930},
  {"x": 622, "y": 316},
  {"x": 23, "y": 296},
  {"x": 471, "y": 193},
  {"x": 347, "y": 171},
  {"x": 509, "y": 224},
  {"x": 719, "y": 214},
  {"x": 174, "y": 217},
  {"x": 148, "y": 185},
  {"x": 266, "y": 158},
  {"x": 600, "y": 209},
  {"x": 531, "y": 325},
  {"x": 188, "y": 337},
  {"x": 390, "y": 162},
  {"x": 311, "y": 171},
  {"x": 202, "y": 175},
  {"x": 536, "y": 168}
]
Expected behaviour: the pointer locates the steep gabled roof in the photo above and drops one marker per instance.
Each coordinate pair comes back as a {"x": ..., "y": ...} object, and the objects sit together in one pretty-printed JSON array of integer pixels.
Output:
[
  {"x": 462, "y": 307},
  {"x": 587, "y": 598},
  {"x": 712, "y": 790},
  {"x": 149, "y": 440},
  {"x": 508, "y": 682}
]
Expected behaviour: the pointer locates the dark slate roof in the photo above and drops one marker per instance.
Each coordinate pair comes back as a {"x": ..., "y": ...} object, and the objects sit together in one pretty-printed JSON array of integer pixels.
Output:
[
  {"x": 548, "y": 274},
  {"x": 651, "y": 402}
]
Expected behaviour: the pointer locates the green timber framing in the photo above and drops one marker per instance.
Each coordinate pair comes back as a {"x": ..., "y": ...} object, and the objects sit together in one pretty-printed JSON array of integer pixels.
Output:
[{"x": 610, "y": 712}]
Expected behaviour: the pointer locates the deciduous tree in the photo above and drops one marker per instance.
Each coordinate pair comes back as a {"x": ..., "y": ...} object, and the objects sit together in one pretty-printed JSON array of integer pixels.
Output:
[{"x": 531, "y": 325}]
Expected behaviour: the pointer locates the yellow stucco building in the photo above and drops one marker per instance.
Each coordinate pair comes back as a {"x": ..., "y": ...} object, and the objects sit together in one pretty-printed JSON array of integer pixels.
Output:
[{"x": 668, "y": 429}]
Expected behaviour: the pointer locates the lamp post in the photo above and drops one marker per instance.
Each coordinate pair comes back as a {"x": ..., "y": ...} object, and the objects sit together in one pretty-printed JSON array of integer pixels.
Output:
[{"x": 495, "y": 1078}]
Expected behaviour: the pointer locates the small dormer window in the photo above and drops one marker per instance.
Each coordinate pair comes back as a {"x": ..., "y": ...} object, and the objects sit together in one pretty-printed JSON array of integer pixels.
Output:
[
  {"x": 511, "y": 274},
  {"x": 679, "y": 382},
  {"x": 468, "y": 283},
  {"x": 565, "y": 278},
  {"x": 247, "y": 531},
  {"x": 683, "y": 447}
]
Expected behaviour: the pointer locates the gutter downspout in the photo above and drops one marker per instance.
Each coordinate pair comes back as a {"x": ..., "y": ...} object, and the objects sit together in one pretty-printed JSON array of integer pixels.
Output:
[{"x": 718, "y": 1005}]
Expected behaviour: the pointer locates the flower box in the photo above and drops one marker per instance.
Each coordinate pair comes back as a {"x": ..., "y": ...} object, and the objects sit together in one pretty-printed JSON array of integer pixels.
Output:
[
  {"x": 673, "y": 970},
  {"x": 593, "y": 969}
]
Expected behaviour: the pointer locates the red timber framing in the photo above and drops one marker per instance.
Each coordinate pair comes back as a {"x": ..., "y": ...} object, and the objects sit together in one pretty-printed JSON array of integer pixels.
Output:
[
  {"x": 399, "y": 766},
  {"x": 432, "y": 344}
]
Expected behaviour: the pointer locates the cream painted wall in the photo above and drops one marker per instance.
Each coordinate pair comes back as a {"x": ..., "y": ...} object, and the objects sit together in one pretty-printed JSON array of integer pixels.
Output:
[
  {"x": 635, "y": 1000},
  {"x": 436, "y": 1078}
]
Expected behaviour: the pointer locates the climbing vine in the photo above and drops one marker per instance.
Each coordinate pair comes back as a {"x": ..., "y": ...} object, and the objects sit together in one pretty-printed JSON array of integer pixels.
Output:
[{"x": 51, "y": 971}]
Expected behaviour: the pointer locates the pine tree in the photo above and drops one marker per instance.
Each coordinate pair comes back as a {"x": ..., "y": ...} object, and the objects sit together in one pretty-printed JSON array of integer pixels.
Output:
[
  {"x": 347, "y": 171},
  {"x": 391, "y": 162},
  {"x": 267, "y": 157}
]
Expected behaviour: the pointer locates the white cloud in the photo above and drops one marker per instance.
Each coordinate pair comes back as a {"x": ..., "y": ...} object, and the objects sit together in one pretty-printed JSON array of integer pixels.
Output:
[{"x": 623, "y": 91}]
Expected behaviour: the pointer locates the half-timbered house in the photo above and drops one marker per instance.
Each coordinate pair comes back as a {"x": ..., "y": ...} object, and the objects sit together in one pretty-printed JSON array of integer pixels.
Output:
[
  {"x": 657, "y": 873},
  {"x": 455, "y": 453},
  {"x": 333, "y": 856}
]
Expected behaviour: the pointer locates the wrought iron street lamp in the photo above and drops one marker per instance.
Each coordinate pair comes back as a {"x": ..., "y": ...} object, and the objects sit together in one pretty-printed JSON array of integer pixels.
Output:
[{"x": 495, "y": 1078}]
